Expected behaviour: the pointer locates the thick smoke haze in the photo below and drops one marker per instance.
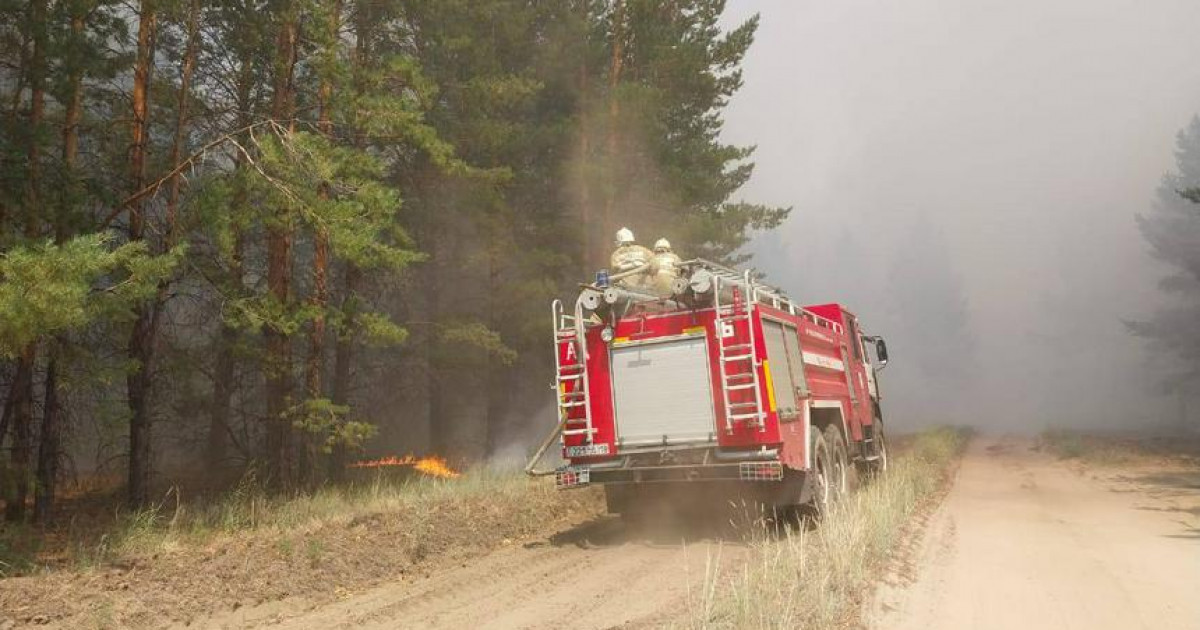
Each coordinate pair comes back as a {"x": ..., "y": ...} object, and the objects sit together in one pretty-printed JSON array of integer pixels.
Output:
[{"x": 965, "y": 177}]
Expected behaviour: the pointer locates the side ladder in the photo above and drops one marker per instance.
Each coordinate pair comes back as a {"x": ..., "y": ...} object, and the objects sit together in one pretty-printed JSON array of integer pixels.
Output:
[
  {"x": 737, "y": 353},
  {"x": 571, "y": 378}
]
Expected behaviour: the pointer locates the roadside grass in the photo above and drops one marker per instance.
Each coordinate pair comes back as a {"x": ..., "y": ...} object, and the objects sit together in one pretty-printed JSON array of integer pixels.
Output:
[
  {"x": 176, "y": 523},
  {"x": 185, "y": 560},
  {"x": 19, "y": 545},
  {"x": 1112, "y": 449},
  {"x": 816, "y": 577},
  {"x": 1067, "y": 444}
]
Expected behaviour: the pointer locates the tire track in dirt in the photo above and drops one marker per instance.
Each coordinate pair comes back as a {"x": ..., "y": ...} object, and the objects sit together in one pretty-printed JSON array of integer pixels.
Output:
[{"x": 600, "y": 575}]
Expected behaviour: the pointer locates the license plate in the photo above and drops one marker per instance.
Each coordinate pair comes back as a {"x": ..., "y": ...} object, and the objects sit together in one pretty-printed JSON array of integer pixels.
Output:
[{"x": 587, "y": 451}]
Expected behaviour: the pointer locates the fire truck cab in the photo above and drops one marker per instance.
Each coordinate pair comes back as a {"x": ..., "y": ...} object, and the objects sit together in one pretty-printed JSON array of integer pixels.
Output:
[{"x": 726, "y": 384}]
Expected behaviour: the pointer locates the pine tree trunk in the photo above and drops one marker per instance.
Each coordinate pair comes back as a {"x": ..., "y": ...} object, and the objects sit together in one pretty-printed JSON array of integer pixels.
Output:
[
  {"x": 439, "y": 425},
  {"x": 280, "y": 438},
  {"x": 614, "y": 112},
  {"x": 221, "y": 408},
  {"x": 590, "y": 257},
  {"x": 141, "y": 343},
  {"x": 19, "y": 407},
  {"x": 7, "y": 413},
  {"x": 343, "y": 351},
  {"x": 186, "y": 68},
  {"x": 314, "y": 363},
  {"x": 51, "y": 439},
  {"x": 226, "y": 363},
  {"x": 319, "y": 299},
  {"x": 279, "y": 363},
  {"x": 496, "y": 376},
  {"x": 343, "y": 358},
  {"x": 223, "y": 379},
  {"x": 74, "y": 105},
  {"x": 145, "y": 333},
  {"x": 20, "y": 404},
  {"x": 52, "y": 412}
]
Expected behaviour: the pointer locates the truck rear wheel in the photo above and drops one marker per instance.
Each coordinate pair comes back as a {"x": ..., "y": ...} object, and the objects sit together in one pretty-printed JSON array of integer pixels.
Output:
[
  {"x": 840, "y": 462},
  {"x": 818, "y": 478}
]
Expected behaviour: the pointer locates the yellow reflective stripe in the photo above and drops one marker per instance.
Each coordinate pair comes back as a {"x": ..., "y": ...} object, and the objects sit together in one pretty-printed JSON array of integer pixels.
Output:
[
  {"x": 770, "y": 387},
  {"x": 693, "y": 330}
]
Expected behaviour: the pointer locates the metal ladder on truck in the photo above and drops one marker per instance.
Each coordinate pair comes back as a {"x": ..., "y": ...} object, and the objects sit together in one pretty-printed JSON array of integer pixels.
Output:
[
  {"x": 738, "y": 353},
  {"x": 571, "y": 379}
]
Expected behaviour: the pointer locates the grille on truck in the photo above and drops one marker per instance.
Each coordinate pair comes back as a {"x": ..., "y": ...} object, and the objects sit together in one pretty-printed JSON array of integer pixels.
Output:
[{"x": 663, "y": 393}]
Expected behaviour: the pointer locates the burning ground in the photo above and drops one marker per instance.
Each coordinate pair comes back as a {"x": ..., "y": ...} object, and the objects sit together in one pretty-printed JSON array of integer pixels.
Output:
[{"x": 432, "y": 466}]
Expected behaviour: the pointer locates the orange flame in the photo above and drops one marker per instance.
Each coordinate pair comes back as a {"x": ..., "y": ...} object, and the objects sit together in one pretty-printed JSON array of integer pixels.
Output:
[{"x": 433, "y": 465}]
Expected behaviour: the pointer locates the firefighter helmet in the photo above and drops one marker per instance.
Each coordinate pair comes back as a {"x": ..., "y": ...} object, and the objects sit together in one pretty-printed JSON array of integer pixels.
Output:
[
  {"x": 624, "y": 236},
  {"x": 662, "y": 245}
]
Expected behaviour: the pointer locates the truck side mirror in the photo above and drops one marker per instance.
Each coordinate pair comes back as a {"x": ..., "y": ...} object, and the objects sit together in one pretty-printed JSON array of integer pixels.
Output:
[{"x": 881, "y": 351}]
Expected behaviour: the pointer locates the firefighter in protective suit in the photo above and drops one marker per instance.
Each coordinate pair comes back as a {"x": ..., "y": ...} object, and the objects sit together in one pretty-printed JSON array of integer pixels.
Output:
[
  {"x": 664, "y": 268},
  {"x": 628, "y": 257}
]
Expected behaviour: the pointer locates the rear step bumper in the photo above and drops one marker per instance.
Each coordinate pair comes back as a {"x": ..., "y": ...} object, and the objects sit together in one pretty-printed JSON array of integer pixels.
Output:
[{"x": 584, "y": 475}]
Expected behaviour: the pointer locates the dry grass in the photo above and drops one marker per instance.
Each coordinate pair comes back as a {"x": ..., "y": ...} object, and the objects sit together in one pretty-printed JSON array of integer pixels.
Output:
[
  {"x": 176, "y": 523},
  {"x": 1120, "y": 449},
  {"x": 181, "y": 560},
  {"x": 815, "y": 577},
  {"x": 1067, "y": 444}
]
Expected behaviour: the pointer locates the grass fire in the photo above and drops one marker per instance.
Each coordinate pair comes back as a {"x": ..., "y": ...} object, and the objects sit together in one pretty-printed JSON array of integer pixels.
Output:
[{"x": 432, "y": 466}]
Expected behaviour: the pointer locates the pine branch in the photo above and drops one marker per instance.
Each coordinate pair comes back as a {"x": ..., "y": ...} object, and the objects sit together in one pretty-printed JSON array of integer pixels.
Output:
[{"x": 228, "y": 138}]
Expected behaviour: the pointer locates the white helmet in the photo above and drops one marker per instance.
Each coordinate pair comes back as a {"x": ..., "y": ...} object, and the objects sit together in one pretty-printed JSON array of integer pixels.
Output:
[
  {"x": 624, "y": 236},
  {"x": 662, "y": 245}
]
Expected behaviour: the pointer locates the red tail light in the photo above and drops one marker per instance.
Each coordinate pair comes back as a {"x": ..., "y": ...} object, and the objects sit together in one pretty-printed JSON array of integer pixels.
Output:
[
  {"x": 761, "y": 471},
  {"x": 572, "y": 478}
]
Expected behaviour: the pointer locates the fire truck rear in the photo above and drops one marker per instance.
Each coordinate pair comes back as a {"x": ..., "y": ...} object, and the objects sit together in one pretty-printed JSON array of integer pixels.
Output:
[{"x": 724, "y": 384}]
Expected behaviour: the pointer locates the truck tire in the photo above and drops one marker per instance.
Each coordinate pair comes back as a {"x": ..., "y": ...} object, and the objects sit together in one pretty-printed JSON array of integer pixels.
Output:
[
  {"x": 818, "y": 480},
  {"x": 881, "y": 449},
  {"x": 879, "y": 462},
  {"x": 840, "y": 459}
]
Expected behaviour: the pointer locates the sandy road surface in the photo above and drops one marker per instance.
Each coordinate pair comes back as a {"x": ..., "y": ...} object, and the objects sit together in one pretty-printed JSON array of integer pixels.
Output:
[
  {"x": 599, "y": 575},
  {"x": 1021, "y": 542},
  {"x": 1026, "y": 542}
]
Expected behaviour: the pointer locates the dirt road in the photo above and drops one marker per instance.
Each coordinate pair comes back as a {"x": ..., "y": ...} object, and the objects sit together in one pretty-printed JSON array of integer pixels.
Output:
[
  {"x": 599, "y": 575},
  {"x": 1024, "y": 541}
]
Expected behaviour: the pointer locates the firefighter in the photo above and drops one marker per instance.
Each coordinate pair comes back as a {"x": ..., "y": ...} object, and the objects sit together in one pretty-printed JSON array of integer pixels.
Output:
[
  {"x": 629, "y": 258},
  {"x": 664, "y": 268}
]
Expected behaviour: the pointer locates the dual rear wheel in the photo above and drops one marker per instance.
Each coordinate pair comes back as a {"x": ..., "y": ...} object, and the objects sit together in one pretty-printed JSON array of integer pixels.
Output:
[{"x": 830, "y": 475}]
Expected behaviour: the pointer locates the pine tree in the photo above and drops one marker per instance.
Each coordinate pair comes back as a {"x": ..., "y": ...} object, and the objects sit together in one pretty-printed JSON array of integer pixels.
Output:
[
  {"x": 317, "y": 179},
  {"x": 1172, "y": 228},
  {"x": 18, "y": 409},
  {"x": 241, "y": 32},
  {"x": 670, "y": 174}
]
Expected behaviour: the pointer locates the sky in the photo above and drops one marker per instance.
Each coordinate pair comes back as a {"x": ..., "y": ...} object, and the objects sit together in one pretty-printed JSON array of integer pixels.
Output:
[{"x": 965, "y": 176}]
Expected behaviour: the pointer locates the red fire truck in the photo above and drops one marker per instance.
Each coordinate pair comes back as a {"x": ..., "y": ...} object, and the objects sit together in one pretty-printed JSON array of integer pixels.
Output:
[{"x": 726, "y": 384}]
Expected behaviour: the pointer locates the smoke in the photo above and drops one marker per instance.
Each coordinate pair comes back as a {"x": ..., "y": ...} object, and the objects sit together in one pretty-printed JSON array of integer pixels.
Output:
[
  {"x": 965, "y": 177},
  {"x": 528, "y": 429}
]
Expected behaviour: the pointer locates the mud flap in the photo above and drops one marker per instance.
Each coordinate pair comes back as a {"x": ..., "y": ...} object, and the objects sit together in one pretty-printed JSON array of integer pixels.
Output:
[
  {"x": 618, "y": 497},
  {"x": 705, "y": 497}
]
